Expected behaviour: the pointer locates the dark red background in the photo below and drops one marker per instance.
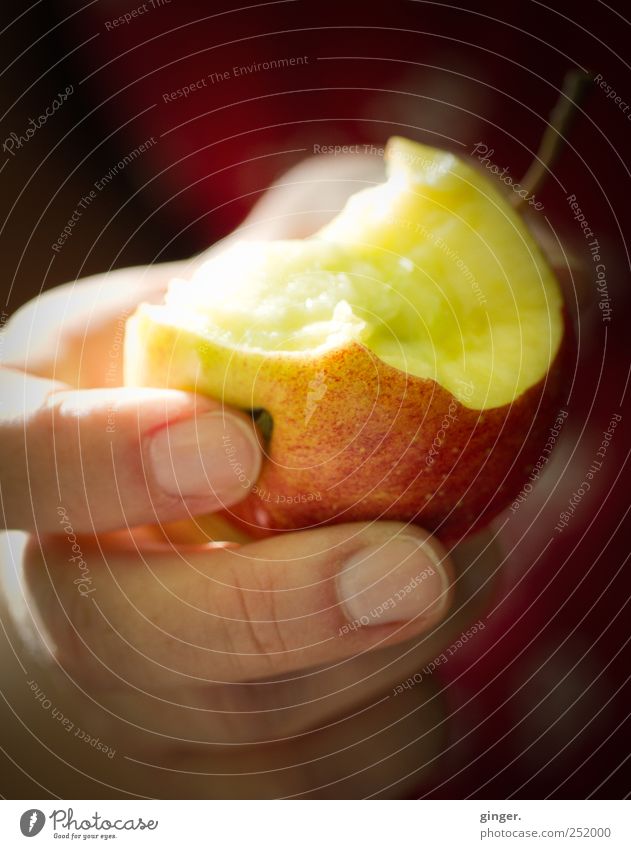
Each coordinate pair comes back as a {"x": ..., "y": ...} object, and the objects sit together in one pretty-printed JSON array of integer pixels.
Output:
[{"x": 540, "y": 701}]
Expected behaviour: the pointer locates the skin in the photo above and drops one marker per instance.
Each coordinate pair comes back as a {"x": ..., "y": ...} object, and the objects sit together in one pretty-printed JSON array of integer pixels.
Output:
[
  {"x": 209, "y": 670},
  {"x": 378, "y": 442}
]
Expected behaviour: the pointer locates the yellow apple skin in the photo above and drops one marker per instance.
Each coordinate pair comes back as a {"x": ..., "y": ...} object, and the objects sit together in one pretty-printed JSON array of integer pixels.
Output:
[{"x": 355, "y": 439}]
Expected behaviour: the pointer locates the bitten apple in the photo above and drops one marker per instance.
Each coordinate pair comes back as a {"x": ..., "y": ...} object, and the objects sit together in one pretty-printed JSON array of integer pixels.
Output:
[{"x": 404, "y": 362}]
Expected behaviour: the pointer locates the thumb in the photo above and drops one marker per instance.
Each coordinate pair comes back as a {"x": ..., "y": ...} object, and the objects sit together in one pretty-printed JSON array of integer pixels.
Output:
[{"x": 114, "y": 458}]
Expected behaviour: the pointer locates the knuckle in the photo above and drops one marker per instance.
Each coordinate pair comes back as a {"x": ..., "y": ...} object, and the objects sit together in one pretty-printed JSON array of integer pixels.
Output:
[{"x": 260, "y": 633}]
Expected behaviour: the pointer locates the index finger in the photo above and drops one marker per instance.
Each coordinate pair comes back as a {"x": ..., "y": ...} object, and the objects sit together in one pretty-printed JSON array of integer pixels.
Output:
[{"x": 74, "y": 333}]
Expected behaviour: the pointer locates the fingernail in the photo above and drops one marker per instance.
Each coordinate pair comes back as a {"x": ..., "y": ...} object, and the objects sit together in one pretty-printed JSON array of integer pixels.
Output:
[
  {"x": 397, "y": 581},
  {"x": 213, "y": 454}
]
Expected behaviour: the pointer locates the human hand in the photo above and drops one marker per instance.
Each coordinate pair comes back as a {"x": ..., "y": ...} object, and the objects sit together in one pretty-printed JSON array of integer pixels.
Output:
[{"x": 265, "y": 669}]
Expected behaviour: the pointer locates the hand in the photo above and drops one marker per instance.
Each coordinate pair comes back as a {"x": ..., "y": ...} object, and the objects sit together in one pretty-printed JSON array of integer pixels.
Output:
[{"x": 265, "y": 669}]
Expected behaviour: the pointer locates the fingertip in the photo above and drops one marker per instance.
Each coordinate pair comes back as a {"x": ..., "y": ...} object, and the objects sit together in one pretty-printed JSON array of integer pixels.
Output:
[
  {"x": 215, "y": 453},
  {"x": 405, "y": 577},
  {"x": 121, "y": 457}
]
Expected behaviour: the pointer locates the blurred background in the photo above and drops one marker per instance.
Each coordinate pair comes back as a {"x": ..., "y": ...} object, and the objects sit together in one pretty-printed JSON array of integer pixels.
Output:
[{"x": 538, "y": 703}]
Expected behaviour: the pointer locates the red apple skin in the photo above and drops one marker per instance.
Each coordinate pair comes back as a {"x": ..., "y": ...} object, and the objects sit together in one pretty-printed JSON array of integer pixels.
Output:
[{"x": 381, "y": 444}]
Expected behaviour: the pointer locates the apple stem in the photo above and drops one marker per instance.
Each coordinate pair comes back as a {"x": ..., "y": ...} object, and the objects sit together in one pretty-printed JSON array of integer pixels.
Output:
[{"x": 575, "y": 86}]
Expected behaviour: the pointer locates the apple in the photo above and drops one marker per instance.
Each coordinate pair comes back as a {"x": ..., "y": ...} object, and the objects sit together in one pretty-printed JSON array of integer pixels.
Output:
[{"x": 403, "y": 363}]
